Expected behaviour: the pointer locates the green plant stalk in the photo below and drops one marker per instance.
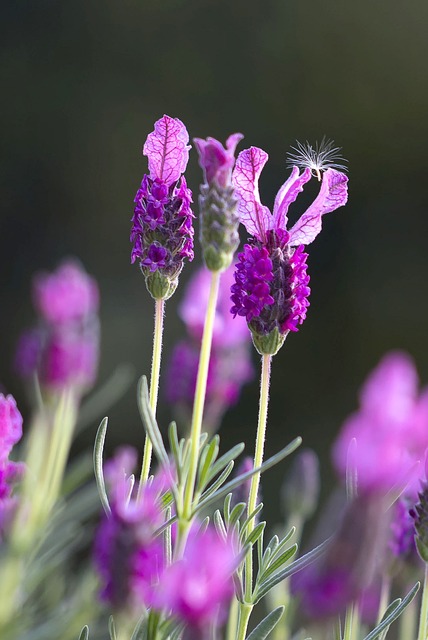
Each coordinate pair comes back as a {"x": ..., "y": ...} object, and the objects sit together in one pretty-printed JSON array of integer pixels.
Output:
[
  {"x": 154, "y": 385},
  {"x": 232, "y": 621},
  {"x": 46, "y": 456},
  {"x": 198, "y": 405},
  {"x": 246, "y": 608},
  {"x": 384, "y": 598},
  {"x": 352, "y": 623},
  {"x": 423, "y": 620}
]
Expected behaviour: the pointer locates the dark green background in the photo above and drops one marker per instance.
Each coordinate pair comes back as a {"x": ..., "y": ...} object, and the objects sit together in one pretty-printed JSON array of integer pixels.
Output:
[{"x": 82, "y": 83}]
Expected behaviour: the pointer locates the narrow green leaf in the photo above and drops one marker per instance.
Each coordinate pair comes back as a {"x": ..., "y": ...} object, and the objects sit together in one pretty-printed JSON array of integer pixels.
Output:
[
  {"x": 279, "y": 562},
  {"x": 149, "y": 422},
  {"x": 219, "y": 525},
  {"x": 111, "y": 628},
  {"x": 84, "y": 634},
  {"x": 264, "y": 587},
  {"x": 236, "y": 482},
  {"x": 98, "y": 464},
  {"x": 224, "y": 460},
  {"x": 264, "y": 627},
  {"x": 392, "y": 613},
  {"x": 236, "y": 513},
  {"x": 167, "y": 539},
  {"x": 282, "y": 543},
  {"x": 255, "y": 534},
  {"x": 208, "y": 456},
  {"x": 252, "y": 515},
  {"x": 219, "y": 482},
  {"x": 170, "y": 629},
  {"x": 140, "y": 631},
  {"x": 226, "y": 508},
  {"x": 175, "y": 448}
]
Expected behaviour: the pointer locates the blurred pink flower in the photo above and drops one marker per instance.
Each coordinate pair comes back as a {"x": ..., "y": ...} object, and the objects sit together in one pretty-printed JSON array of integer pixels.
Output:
[{"x": 390, "y": 430}]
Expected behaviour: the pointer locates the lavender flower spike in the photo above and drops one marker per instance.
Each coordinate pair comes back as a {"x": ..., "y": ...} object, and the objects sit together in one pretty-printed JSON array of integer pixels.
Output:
[
  {"x": 162, "y": 232},
  {"x": 271, "y": 283},
  {"x": 217, "y": 202}
]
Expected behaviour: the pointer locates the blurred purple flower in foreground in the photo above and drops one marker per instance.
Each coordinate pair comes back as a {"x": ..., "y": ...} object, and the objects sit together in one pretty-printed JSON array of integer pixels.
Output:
[
  {"x": 198, "y": 587},
  {"x": 127, "y": 556},
  {"x": 271, "y": 289},
  {"x": 10, "y": 434},
  {"x": 63, "y": 348},
  {"x": 162, "y": 231},
  {"x": 230, "y": 365},
  {"x": 386, "y": 440}
]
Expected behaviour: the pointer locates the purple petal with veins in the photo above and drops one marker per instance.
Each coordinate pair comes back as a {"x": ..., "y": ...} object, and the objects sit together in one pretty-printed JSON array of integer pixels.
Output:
[
  {"x": 288, "y": 194},
  {"x": 167, "y": 150},
  {"x": 254, "y": 216},
  {"x": 333, "y": 194}
]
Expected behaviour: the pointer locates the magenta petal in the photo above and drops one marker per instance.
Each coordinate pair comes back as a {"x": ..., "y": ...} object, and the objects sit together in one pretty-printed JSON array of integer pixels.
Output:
[
  {"x": 216, "y": 160},
  {"x": 167, "y": 150},
  {"x": 333, "y": 194},
  {"x": 254, "y": 216},
  {"x": 288, "y": 194}
]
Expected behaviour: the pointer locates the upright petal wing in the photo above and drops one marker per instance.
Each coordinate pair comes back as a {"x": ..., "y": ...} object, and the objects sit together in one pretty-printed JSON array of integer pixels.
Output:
[
  {"x": 333, "y": 194},
  {"x": 167, "y": 149},
  {"x": 245, "y": 178},
  {"x": 287, "y": 195}
]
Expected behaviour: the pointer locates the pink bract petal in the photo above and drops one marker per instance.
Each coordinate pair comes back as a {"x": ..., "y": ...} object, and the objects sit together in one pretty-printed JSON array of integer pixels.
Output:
[
  {"x": 167, "y": 149},
  {"x": 288, "y": 194},
  {"x": 254, "y": 216},
  {"x": 217, "y": 161},
  {"x": 333, "y": 194}
]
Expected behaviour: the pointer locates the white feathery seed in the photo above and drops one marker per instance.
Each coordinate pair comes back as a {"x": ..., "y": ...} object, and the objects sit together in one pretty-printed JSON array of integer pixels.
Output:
[{"x": 322, "y": 156}]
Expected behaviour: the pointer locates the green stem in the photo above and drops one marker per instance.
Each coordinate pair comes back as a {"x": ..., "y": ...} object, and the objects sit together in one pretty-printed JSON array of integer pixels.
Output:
[
  {"x": 199, "y": 401},
  {"x": 384, "y": 598},
  {"x": 423, "y": 629},
  {"x": 232, "y": 621},
  {"x": 352, "y": 623},
  {"x": 246, "y": 608},
  {"x": 244, "y": 618},
  {"x": 154, "y": 385}
]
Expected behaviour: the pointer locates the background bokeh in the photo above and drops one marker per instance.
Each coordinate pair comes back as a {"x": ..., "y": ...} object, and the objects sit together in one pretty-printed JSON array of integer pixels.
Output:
[{"x": 82, "y": 83}]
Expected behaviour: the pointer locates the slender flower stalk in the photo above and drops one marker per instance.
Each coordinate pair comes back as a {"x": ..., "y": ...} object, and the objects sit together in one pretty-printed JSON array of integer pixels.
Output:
[
  {"x": 154, "y": 383},
  {"x": 423, "y": 620},
  {"x": 201, "y": 386},
  {"x": 246, "y": 608}
]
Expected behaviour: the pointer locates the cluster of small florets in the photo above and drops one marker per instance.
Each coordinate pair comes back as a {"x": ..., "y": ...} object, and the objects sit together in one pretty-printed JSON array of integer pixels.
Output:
[
  {"x": 10, "y": 472},
  {"x": 130, "y": 560},
  {"x": 63, "y": 348},
  {"x": 271, "y": 285},
  {"x": 162, "y": 230}
]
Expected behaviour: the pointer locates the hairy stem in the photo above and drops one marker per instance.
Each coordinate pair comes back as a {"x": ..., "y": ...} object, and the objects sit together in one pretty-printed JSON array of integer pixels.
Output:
[{"x": 154, "y": 384}]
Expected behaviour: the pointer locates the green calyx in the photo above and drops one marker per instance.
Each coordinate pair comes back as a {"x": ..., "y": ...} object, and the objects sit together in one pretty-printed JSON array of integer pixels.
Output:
[
  {"x": 270, "y": 343},
  {"x": 159, "y": 285}
]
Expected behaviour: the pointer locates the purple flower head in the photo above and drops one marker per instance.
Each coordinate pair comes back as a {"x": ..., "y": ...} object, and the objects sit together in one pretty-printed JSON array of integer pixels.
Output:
[
  {"x": 67, "y": 295},
  {"x": 162, "y": 231},
  {"x": 215, "y": 160},
  {"x": 127, "y": 556},
  {"x": 271, "y": 289},
  {"x": 217, "y": 202},
  {"x": 63, "y": 348},
  {"x": 197, "y": 588},
  {"x": 227, "y": 332},
  {"x": 389, "y": 432},
  {"x": 402, "y": 538},
  {"x": 10, "y": 472},
  {"x": 10, "y": 425}
]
